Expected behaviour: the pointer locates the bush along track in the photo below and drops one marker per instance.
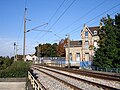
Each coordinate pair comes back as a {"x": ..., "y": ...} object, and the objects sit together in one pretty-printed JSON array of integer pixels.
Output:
[{"x": 18, "y": 69}]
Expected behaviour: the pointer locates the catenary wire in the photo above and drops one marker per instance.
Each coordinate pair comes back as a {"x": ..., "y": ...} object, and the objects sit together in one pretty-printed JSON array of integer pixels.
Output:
[
  {"x": 53, "y": 15},
  {"x": 90, "y": 24},
  {"x": 62, "y": 14},
  {"x": 87, "y": 13},
  {"x": 21, "y": 27},
  {"x": 76, "y": 29},
  {"x": 82, "y": 16},
  {"x": 56, "y": 11},
  {"x": 59, "y": 18},
  {"x": 103, "y": 13},
  {"x": 95, "y": 17}
]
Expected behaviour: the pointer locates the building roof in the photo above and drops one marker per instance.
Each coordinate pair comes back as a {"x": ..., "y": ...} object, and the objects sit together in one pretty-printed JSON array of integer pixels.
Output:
[
  {"x": 92, "y": 29},
  {"x": 76, "y": 43}
]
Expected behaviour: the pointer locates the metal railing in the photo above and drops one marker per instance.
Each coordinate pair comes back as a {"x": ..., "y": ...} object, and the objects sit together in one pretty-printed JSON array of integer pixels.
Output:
[
  {"x": 35, "y": 84},
  {"x": 113, "y": 70},
  {"x": 61, "y": 62}
]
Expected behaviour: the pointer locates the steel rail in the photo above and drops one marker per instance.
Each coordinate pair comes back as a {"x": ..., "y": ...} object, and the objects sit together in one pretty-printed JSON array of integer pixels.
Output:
[
  {"x": 85, "y": 81},
  {"x": 90, "y": 74},
  {"x": 66, "y": 83}
]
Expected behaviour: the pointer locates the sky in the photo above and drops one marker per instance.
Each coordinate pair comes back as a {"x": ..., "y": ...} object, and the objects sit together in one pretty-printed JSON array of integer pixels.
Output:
[{"x": 63, "y": 17}]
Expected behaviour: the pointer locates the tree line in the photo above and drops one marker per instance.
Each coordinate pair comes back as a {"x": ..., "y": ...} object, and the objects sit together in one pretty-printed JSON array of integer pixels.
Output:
[{"x": 51, "y": 50}]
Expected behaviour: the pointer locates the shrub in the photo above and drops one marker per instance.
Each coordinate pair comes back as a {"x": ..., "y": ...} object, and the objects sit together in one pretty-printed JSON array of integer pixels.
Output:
[
  {"x": 17, "y": 69},
  {"x": 5, "y": 62}
]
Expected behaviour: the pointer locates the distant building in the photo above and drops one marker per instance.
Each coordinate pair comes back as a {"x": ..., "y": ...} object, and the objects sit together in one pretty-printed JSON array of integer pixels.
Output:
[
  {"x": 82, "y": 51},
  {"x": 34, "y": 58},
  {"x": 28, "y": 58},
  {"x": 31, "y": 58}
]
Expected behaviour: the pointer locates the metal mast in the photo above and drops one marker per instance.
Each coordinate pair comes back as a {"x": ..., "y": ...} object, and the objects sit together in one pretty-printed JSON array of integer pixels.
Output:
[{"x": 24, "y": 42}]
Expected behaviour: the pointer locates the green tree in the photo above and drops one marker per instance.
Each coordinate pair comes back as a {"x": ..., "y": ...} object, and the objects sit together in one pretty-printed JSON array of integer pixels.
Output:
[
  {"x": 61, "y": 48},
  {"x": 107, "y": 54},
  {"x": 52, "y": 50},
  {"x": 116, "y": 62},
  {"x": 47, "y": 50},
  {"x": 5, "y": 62}
]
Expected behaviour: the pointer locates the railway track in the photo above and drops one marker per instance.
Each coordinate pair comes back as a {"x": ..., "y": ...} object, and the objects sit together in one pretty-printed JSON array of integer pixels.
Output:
[
  {"x": 51, "y": 82},
  {"x": 76, "y": 83},
  {"x": 100, "y": 75}
]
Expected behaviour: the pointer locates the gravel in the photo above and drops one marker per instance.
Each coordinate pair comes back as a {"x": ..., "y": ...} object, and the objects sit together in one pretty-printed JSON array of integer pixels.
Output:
[
  {"x": 50, "y": 83},
  {"x": 75, "y": 82},
  {"x": 114, "y": 84}
]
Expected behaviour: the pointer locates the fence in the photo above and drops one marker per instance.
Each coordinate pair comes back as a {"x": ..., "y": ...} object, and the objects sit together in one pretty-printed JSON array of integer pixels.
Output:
[
  {"x": 61, "y": 62},
  {"x": 35, "y": 84},
  {"x": 113, "y": 70}
]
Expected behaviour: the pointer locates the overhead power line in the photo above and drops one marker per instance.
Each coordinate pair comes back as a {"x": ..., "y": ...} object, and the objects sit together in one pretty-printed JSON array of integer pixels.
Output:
[
  {"x": 62, "y": 14},
  {"x": 56, "y": 11},
  {"x": 21, "y": 27},
  {"x": 94, "y": 18},
  {"x": 53, "y": 16},
  {"x": 74, "y": 33},
  {"x": 83, "y": 15},
  {"x": 59, "y": 18},
  {"x": 87, "y": 13},
  {"x": 109, "y": 14}
]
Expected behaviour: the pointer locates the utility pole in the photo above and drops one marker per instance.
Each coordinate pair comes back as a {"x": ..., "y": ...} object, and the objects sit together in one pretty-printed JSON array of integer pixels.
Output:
[
  {"x": 14, "y": 51},
  {"x": 68, "y": 42},
  {"x": 24, "y": 43},
  {"x": 38, "y": 51}
]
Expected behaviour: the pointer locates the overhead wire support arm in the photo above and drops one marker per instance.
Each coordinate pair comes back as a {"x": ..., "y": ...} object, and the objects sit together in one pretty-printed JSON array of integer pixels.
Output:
[
  {"x": 35, "y": 29},
  {"x": 39, "y": 26},
  {"x": 39, "y": 30},
  {"x": 58, "y": 36}
]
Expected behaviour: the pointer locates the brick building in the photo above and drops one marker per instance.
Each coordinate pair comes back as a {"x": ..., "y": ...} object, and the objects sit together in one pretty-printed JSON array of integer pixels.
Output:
[{"x": 82, "y": 51}]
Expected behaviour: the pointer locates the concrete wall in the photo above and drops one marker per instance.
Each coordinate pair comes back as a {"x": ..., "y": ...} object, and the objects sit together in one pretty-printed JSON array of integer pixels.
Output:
[{"x": 12, "y": 83}]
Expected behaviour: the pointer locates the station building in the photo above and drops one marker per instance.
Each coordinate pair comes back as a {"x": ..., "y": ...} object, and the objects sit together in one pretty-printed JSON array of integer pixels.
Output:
[{"x": 82, "y": 51}]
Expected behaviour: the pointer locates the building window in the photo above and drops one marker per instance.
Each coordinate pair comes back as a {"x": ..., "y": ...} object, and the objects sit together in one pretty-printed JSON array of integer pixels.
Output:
[
  {"x": 95, "y": 43},
  {"x": 86, "y": 56},
  {"x": 95, "y": 32},
  {"x": 77, "y": 56},
  {"x": 70, "y": 55},
  {"x": 86, "y": 34},
  {"x": 86, "y": 45}
]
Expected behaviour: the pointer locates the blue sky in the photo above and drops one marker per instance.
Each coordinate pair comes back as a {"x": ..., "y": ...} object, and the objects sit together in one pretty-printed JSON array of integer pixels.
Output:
[{"x": 71, "y": 20}]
